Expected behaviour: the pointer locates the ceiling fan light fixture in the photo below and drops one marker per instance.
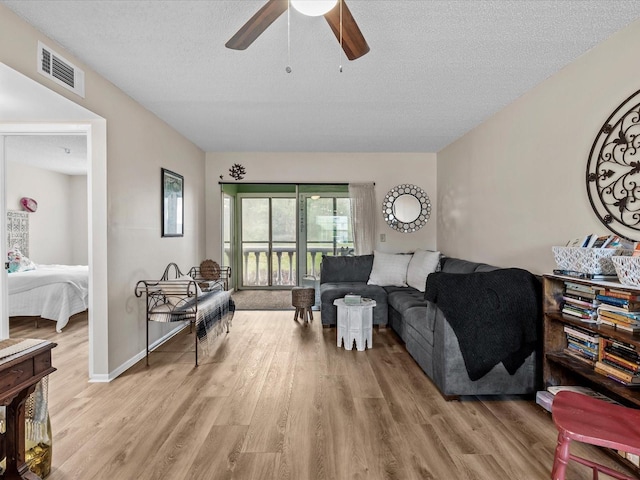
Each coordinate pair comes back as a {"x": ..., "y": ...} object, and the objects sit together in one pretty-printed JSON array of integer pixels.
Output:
[{"x": 313, "y": 8}]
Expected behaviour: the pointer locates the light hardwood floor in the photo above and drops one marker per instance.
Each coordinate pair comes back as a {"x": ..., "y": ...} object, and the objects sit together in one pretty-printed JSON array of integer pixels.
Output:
[{"x": 278, "y": 400}]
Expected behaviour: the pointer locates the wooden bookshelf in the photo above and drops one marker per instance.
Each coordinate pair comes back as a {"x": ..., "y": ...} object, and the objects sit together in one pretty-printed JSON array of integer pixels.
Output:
[{"x": 558, "y": 368}]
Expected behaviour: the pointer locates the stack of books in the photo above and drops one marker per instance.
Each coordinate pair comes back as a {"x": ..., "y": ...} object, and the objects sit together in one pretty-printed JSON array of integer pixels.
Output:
[
  {"x": 619, "y": 309},
  {"x": 619, "y": 361},
  {"x": 582, "y": 344},
  {"x": 580, "y": 301}
]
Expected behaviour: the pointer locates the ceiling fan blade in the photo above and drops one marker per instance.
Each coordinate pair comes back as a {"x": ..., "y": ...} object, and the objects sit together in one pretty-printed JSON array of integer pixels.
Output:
[
  {"x": 353, "y": 42},
  {"x": 257, "y": 24}
]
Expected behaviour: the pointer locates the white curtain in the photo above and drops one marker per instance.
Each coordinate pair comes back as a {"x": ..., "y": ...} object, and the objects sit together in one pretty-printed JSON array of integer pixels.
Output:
[{"x": 363, "y": 217}]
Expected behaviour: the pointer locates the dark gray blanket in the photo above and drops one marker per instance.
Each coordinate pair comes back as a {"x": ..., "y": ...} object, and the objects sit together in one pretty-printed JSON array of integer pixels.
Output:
[{"x": 495, "y": 315}]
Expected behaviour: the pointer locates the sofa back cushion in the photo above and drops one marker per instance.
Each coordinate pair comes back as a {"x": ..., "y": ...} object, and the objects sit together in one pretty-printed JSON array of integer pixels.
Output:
[
  {"x": 345, "y": 269},
  {"x": 457, "y": 265}
]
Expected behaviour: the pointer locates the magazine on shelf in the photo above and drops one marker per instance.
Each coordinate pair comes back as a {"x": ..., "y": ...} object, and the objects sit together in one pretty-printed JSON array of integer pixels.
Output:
[
  {"x": 594, "y": 240},
  {"x": 585, "y": 276},
  {"x": 544, "y": 399},
  {"x": 579, "y": 242},
  {"x": 554, "y": 389}
]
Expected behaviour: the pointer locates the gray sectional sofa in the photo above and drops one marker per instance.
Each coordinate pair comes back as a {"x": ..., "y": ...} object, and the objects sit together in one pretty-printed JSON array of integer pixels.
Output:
[{"x": 495, "y": 312}]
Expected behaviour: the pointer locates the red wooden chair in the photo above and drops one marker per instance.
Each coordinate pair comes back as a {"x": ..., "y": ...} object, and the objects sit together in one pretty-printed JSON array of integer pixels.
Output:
[{"x": 589, "y": 420}]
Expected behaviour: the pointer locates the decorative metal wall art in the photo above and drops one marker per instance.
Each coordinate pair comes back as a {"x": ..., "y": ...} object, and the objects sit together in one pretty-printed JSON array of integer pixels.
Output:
[
  {"x": 406, "y": 208},
  {"x": 237, "y": 171},
  {"x": 613, "y": 170}
]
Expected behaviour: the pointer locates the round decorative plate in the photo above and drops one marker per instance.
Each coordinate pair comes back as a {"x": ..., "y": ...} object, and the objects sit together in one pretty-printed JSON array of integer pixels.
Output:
[{"x": 29, "y": 204}]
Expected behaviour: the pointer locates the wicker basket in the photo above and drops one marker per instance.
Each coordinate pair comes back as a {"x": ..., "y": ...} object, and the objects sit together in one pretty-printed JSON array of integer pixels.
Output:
[
  {"x": 627, "y": 269},
  {"x": 596, "y": 261},
  {"x": 210, "y": 270}
]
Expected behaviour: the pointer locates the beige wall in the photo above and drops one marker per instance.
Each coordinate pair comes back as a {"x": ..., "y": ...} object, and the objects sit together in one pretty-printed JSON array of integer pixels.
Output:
[
  {"x": 58, "y": 229},
  {"x": 138, "y": 145},
  {"x": 385, "y": 169},
  {"x": 78, "y": 224},
  {"x": 515, "y": 186}
]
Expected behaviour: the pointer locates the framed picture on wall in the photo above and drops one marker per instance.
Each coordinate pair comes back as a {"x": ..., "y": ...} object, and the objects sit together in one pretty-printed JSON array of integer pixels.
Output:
[{"x": 172, "y": 204}]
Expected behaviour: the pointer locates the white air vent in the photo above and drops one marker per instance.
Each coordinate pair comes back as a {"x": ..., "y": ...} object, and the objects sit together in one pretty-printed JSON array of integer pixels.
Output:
[{"x": 58, "y": 69}]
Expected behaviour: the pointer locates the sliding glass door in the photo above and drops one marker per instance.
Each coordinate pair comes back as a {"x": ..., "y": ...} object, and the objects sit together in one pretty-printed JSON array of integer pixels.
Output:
[
  {"x": 283, "y": 231},
  {"x": 268, "y": 241},
  {"x": 325, "y": 229},
  {"x": 228, "y": 250}
]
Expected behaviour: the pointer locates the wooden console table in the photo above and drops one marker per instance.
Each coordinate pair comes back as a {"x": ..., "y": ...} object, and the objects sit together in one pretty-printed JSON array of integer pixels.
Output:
[{"x": 19, "y": 374}]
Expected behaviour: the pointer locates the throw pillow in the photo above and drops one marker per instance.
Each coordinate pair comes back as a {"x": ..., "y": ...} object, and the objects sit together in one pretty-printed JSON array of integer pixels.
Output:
[
  {"x": 179, "y": 290},
  {"x": 389, "y": 269},
  {"x": 421, "y": 265},
  {"x": 18, "y": 262}
]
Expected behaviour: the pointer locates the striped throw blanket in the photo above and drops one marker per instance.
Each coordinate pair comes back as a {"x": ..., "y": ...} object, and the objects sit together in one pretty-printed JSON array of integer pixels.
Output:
[{"x": 212, "y": 311}]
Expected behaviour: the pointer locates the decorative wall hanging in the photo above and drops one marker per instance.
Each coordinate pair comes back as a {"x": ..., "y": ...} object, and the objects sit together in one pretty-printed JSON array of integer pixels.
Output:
[
  {"x": 406, "y": 208},
  {"x": 172, "y": 204},
  {"x": 29, "y": 204},
  {"x": 237, "y": 171},
  {"x": 18, "y": 231},
  {"x": 613, "y": 170}
]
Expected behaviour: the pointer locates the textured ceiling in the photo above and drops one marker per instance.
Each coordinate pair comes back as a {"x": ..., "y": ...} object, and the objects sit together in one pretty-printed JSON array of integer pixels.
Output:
[
  {"x": 59, "y": 153},
  {"x": 436, "y": 68}
]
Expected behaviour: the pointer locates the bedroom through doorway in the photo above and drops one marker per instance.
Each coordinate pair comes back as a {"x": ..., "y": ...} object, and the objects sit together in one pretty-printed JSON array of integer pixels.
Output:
[
  {"x": 47, "y": 221},
  {"x": 37, "y": 110}
]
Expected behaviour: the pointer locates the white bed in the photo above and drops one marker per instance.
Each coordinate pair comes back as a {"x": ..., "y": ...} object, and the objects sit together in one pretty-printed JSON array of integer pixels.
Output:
[{"x": 55, "y": 292}]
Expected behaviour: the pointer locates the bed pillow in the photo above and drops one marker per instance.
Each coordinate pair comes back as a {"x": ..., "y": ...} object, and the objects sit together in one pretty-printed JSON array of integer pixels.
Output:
[
  {"x": 176, "y": 291},
  {"x": 389, "y": 269},
  {"x": 421, "y": 265},
  {"x": 19, "y": 262}
]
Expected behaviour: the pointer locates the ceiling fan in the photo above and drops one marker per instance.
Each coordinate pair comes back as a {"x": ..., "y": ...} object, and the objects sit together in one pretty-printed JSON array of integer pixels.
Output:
[{"x": 339, "y": 15}]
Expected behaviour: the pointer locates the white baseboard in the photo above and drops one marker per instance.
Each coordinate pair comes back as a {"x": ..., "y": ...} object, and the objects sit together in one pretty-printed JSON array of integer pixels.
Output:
[{"x": 105, "y": 378}]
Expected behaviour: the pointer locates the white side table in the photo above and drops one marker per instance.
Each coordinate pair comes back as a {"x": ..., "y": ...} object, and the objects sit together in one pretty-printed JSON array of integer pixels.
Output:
[{"x": 355, "y": 322}]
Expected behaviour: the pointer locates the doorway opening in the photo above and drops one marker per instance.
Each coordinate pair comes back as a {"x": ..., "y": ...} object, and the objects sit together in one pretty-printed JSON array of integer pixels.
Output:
[{"x": 37, "y": 110}]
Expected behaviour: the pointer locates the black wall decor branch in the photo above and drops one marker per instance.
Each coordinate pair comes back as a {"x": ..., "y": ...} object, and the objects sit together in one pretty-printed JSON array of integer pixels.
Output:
[
  {"x": 613, "y": 170},
  {"x": 237, "y": 171}
]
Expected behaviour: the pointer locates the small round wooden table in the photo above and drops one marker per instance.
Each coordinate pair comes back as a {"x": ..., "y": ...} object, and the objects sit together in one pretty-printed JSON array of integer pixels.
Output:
[{"x": 303, "y": 299}]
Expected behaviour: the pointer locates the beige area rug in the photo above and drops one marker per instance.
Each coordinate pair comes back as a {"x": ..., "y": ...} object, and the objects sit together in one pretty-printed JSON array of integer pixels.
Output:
[{"x": 262, "y": 299}]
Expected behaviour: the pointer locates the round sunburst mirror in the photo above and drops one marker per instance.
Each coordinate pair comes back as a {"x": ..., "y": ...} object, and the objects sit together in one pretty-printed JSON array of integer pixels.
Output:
[{"x": 406, "y": 208}]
